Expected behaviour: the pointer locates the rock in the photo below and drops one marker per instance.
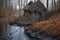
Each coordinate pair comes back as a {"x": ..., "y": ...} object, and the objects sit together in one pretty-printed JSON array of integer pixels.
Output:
[{"x": 28, "y": 31}]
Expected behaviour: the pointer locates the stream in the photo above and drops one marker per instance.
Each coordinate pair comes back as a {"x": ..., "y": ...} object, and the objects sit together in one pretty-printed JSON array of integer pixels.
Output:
[{"x": 14, "y": 33}]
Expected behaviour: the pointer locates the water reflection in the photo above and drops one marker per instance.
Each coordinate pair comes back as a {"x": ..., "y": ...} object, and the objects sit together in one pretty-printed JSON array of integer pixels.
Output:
[
  {"x": 16, "y": 33},
  {"x": 13, "y": 33}
]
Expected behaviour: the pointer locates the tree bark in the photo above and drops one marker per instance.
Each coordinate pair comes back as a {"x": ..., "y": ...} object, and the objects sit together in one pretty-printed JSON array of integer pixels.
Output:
[
  {"x": 1, "y": 5},
  {"x": 59, "y": 4},
  {"x": 47, "y": 3},
  {"x": 19, "y": 3},
  {"x": 52, "y": 4}
]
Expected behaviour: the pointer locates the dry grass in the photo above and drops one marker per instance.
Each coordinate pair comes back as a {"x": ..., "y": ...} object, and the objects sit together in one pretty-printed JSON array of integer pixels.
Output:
[
  {"x": 7, "y": 16},
  {"x": 49, "y": 27}
]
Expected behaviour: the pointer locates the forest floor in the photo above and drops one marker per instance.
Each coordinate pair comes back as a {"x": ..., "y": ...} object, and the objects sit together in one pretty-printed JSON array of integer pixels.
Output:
[{"x": 50, "y": 27}]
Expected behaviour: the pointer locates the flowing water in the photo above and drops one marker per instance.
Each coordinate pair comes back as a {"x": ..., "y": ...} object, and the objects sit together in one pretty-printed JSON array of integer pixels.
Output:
[{"x": 15, "y": 33}]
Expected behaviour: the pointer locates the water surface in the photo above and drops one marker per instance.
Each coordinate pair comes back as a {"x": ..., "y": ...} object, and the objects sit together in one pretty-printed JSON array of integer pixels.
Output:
[{"x": 13, "y": 33}]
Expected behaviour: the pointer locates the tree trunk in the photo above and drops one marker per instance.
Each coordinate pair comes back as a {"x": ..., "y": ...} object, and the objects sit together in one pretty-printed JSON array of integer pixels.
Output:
[
  {"x": 59, "y": 4},
  {"x": 38, "y": 0},
  {"x": 52, "y": 4},
  {"x": 26, "y": 2},
  {"x": 1, "y": 4},
  {"x": 19, "y": 3},
  {"x": 47, "y": 4}
]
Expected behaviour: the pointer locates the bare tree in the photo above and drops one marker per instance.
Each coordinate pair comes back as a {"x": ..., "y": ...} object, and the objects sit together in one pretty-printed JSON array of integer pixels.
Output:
[
  {"x": 26, "y": 2},
  {"x": 1, "y": 5},
  {"x": 19, "y": 4},
  {"x": 59, "y": 3},
  {"x": 52, "y": 4},
  {"x": 47, "y": 3},
  {"x": 34, "y": 0},
  {"x": 38, "y": 0}
]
